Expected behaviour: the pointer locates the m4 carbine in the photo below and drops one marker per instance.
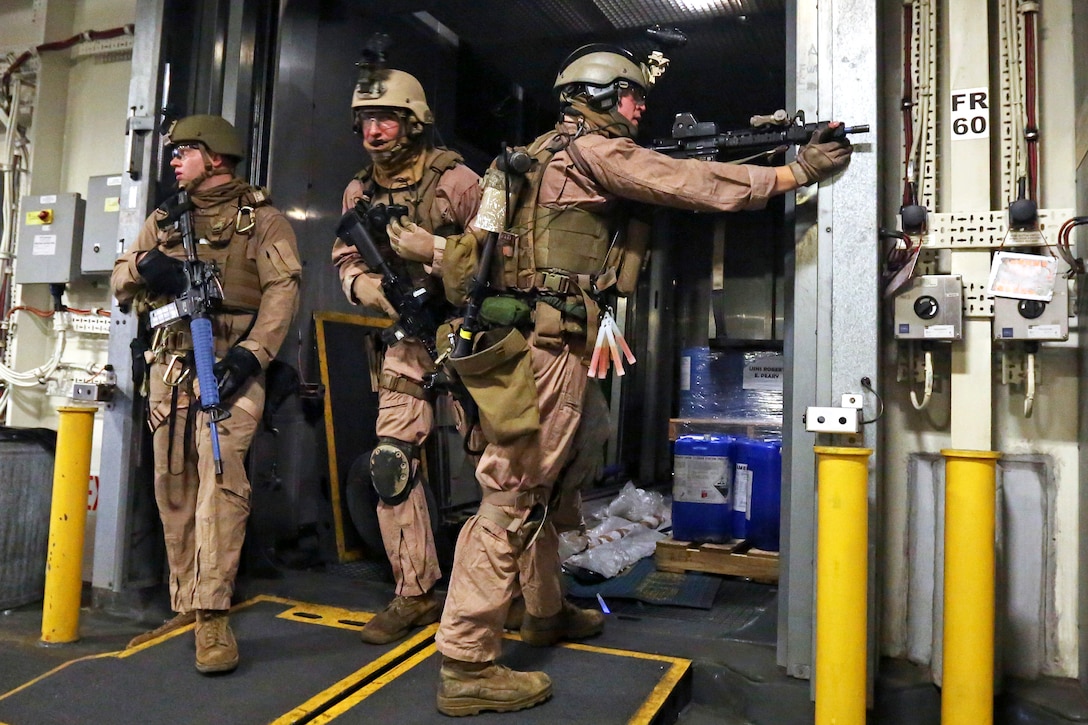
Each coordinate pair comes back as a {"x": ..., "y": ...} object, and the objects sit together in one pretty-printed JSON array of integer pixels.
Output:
[
  {"x": 693, "y": 139},
  {"x": 420, "y": 315},
  {"x": 201, "y": 296}
]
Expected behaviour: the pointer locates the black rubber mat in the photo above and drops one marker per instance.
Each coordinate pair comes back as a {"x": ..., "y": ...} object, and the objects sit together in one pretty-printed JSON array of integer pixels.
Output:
[
  {"x": 287, "y": 663},
  {"x": 590, "y": 686},
  {"x": 645, "y": 583},
  {"x": 304, "y": 663}
]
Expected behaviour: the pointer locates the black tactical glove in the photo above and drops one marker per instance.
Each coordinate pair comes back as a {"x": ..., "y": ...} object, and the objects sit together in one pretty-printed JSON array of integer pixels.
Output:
[
  {"x": 232, "y": 372},
  {"x": 821, "y": 158},
  {"x": 164, "y": 275}
]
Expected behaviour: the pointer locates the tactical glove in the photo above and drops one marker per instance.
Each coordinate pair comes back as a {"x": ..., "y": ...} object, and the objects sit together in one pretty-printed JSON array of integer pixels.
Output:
[
  {"x": 232, "y": 372},
  {"x": 366, "y": 290},
  {"x": 821, "y": 158},
  {"x": 164, "y": 276},
  {"x": 411, "y": 241}
]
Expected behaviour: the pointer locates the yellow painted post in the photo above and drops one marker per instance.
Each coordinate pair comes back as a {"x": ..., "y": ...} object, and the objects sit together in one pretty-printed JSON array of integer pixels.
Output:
[
  {"x": 842, "y": 566},
  {"x": 967, "y": 691},
  {"x": 67, "y": 521}
]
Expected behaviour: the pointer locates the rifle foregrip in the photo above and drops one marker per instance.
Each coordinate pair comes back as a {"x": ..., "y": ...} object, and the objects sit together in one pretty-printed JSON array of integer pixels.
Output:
[{"x": 204, "y": 354}]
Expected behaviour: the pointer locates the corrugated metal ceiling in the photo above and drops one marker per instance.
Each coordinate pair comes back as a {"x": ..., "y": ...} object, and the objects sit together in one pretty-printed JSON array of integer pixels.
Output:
[{"x": 733, "y": 64}]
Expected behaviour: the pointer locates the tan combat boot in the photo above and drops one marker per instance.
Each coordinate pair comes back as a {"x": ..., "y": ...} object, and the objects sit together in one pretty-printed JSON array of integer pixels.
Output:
[
  {"x": 469, "y": 688},
  {"x": 216, "y": 648},
  {"x": 569, "y": 623},
  {"x": 397, "y": 619},
  {"x": 177, "y": 622}
]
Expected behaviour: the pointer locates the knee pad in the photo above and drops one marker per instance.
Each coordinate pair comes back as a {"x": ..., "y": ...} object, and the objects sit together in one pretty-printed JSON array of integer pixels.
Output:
[{"x": 394, "y": 469}]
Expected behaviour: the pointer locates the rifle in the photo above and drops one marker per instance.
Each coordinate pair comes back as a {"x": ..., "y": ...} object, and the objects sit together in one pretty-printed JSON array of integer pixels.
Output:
[
  {"x": 492, "y": 219},
  {"x": 202, "y": 294},
  {"x": 693, "y": 139},
  {"x": 420, "y": 315},
  {"x": 477, "y": 292}
]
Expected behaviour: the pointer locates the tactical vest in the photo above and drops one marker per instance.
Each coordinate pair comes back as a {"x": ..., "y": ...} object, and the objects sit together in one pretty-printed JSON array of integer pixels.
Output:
[
  {"x": 422, "y": 209},
  {"x": 219, "y": 226},
  {"x": 564, "y": 250}
]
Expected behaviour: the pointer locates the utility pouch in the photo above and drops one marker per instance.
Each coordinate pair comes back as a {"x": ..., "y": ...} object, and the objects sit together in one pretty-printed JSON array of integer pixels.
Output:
[
  {"x": 632, "y": 257},
  {"x": 548, "y": 330},
  {"x": 500, "y": 378},
  {"x": 503, "y": 311}
]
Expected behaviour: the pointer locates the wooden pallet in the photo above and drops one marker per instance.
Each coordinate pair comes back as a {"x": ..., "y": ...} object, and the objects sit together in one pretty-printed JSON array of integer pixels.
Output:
[
  {"x": 680, "y": 556},
  {"x": 732, "y": 426}
]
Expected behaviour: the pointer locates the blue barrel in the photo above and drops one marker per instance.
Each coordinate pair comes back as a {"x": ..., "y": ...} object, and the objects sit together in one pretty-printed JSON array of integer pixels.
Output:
[
  {"x": 757, "y": 492},
  {"x": 694, "y": 379},
  {"x": 702, "y": 487}
]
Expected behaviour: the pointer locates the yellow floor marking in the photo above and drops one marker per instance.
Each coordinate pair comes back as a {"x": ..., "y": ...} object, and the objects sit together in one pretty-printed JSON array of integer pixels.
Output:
[
  {"x": 327, "y": 616},
  {"x": 677, "y": 668},
  {"x": 56, "y": 669},
  {"x": 189, "y": 627},
  {"x": 354, "y": 678},
  {"x": 349, "y": 702}
]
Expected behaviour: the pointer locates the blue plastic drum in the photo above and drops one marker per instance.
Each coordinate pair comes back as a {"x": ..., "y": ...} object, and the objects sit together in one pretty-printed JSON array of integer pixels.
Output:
[
  {"x": 702, "y": 487},
  {"x": 757, "y": 492}
]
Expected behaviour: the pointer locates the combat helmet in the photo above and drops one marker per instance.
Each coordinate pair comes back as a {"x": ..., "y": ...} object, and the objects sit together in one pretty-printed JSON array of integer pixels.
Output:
[
  {"x": 388, "y": 88},
  {"x": 215, "y": 133},
  {"x": 598, "y": 72}
]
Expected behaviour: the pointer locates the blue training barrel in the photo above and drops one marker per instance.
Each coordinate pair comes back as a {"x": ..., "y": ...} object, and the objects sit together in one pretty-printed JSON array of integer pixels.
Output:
[
  {"x": 702, "y": 486},
  {"x": 757, "y": 492}
]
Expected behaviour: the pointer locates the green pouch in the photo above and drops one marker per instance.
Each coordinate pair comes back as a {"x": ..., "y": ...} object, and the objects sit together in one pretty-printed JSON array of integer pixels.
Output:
[
  {"x": 503, "y": 311},
  {"x": 500, "y": 379}
]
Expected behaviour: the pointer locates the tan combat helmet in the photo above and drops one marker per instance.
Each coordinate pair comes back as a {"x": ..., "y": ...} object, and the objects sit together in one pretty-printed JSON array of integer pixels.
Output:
[
  {"x": 215, "y": 133},
  {"x": 388, "y": 88},
  {"x": 598, "y": 72}
]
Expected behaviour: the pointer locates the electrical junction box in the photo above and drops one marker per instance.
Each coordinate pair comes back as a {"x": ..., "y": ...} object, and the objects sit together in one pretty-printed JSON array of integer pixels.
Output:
[
  {"x": 930, "y": 308},
  {"x": 100, "y": 244},
  {"x": 832, "y": 420},
  {"x": 1033, "y": 319},
  {"x": 50, "y": 239}
]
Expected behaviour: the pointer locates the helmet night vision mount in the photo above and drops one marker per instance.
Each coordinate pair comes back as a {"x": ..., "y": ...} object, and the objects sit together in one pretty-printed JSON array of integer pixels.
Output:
[{"x": 378, "y": 86}]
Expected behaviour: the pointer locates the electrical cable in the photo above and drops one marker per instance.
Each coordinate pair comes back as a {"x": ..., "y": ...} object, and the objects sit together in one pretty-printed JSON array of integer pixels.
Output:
[
  {"x": 37, "y": 376},
  {"x": 907, "y": 104},
  {"x": 1029, "y": 379},
  {"x": 1029, "y": 9},
  {"x": 899, "y": 254},
  {"x": 1064, "y": 247},
  {"x": 868, "y": 385},
  {"x": 928, "y": 390}
]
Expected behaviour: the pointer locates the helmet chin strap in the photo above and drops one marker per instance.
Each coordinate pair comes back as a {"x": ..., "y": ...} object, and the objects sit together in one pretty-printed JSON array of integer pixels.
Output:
[
  {"x": 612, "y": 121},
  {"x": 393, "y": 160},
  {"x": 209, "y": 171}
]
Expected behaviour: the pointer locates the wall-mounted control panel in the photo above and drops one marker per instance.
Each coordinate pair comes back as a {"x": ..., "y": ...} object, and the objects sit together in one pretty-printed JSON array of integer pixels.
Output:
[
  {"x": 1033, "y": 319},
  {"x": 50, "y": 238},
  {"x": 100, "y": 243},
  {"x": 930, "y": 308}
]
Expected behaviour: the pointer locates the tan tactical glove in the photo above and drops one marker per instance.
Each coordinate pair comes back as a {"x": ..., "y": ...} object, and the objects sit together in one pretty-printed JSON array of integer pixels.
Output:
[
  {"x": 411, "y": 241},
  {"x": 821, "y": 158},
  {"x": 367, "y": 291}
]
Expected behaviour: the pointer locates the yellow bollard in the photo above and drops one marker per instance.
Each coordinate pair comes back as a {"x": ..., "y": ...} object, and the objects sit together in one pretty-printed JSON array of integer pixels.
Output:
[
  {"x": 967, "y": 691},
  {"x": 842, "y": 577},
  {"x": 67, "y": 521}
]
